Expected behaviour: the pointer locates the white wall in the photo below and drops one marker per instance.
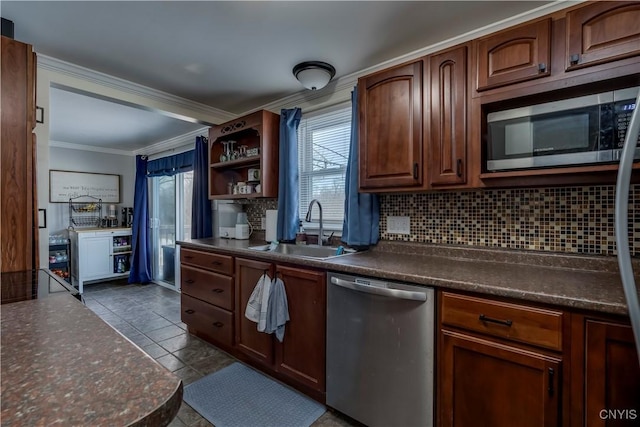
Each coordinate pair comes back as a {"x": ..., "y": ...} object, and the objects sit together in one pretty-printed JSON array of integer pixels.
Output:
[{"x": 88, "y": 161}]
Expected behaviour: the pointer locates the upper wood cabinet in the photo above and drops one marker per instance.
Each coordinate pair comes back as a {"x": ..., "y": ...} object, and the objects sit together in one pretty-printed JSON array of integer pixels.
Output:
[
  {"x": 390, "y": 128},
  {"x": 18, "y": 222},
  {"x": 447, "y": 140},
  {"x": 259, "y": 134},
  {"x": 601, "y": 32},
  {"x": 514, "y": 55}
]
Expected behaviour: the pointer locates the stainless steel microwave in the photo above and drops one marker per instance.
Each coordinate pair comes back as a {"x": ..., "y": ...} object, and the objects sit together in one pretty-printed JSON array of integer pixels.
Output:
[{"x": 583, "y": 130}]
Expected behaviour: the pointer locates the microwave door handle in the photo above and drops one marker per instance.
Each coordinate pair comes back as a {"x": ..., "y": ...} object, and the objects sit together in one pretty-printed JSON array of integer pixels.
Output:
[{"x": 622, "y": 223}]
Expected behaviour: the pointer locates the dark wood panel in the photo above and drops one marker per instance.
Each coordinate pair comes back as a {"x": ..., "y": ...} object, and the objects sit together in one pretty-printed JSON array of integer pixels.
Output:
[
  {"x": 390, "y": 128},
  {"x": 207, "y": 260},
  {"x": 514, "y": 55},
  {"x": 448, "y": 130},
  {"x": 494, "y": 385},
  {"x": 248, "y": 340},
  {"x": 301, "y": 355},
  {"x": 207, "y": 321},
  {"x": 611, "y": 375},
  {"x": 17, "y": 173},
  {"x": 602, "y": 32},
  {"x": 525, "y": 324},
  {"x": 210, "y": 287}
]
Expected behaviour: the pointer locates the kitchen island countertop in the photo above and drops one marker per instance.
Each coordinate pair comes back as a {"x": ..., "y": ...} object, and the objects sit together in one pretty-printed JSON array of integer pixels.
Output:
[
  {"x": 566, "y": 280},
  {"x": 63, "y": 365}
]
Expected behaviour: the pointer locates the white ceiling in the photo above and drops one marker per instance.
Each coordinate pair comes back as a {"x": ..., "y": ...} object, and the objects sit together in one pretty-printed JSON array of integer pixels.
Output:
[{"x": 238, "y": 55}]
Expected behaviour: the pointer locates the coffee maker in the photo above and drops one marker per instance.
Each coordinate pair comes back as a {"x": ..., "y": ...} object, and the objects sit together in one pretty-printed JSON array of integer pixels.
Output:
[{"x": 127, "y": 217}]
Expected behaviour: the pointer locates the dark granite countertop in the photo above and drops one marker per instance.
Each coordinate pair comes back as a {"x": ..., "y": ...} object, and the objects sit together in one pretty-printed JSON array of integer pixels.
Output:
[
  {"x": 62, "y": 365},
  {"x": 573, "y": 281}
]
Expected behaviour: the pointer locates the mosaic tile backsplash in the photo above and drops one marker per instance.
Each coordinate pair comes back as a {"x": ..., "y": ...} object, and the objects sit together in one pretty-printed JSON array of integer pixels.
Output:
[{"x": 564, "y": 219}]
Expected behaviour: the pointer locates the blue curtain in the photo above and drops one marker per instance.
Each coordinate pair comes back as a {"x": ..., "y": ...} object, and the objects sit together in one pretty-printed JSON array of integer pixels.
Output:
[
  {"x": 201, "y": 217},
  {"x": 288, "y": 216},
  {"x": 360, "y": 228},
  {"x": 171, "y": 165},
  {"x": 140, "y": 271}
]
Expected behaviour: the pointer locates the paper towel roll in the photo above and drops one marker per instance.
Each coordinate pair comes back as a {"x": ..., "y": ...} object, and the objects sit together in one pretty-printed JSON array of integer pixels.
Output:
[{"x": 271, "y": 225}]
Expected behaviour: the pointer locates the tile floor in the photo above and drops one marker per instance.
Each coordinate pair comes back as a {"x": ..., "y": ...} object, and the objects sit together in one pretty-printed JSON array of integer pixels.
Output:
[{"x": 149, "y": 315}]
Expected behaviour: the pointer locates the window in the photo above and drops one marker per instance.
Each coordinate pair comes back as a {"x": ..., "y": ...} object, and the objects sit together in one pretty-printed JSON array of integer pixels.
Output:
[{"x": 323, "y": 150}]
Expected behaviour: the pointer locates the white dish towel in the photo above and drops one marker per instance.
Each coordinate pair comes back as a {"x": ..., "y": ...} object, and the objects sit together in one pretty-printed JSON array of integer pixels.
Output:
[{"x": 254, "y": 305}]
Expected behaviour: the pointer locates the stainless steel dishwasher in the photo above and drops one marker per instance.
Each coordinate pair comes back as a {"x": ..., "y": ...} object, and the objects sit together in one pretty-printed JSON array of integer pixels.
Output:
[{"x": 380, "y": 351}]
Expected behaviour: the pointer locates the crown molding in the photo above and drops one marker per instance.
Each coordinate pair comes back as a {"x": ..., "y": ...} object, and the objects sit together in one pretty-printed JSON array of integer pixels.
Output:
[
  {"x": 339, "y": 90},
  {"x": 172, "y": 144},
  {"x": 66, "y": 68},
  {"x": 84, "y": 147}
]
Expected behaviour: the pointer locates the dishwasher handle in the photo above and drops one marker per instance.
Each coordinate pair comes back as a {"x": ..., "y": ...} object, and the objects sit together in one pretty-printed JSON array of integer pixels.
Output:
[{"x": 385, "y": 292}]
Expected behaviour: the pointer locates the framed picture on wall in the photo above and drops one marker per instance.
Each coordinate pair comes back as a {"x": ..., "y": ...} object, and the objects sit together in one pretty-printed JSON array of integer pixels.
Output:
[{"x": 64, "y": 185}]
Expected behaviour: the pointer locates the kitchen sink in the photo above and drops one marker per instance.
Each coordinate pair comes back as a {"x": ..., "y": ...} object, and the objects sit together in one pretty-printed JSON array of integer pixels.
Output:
[{"x": 305, "y": 251}]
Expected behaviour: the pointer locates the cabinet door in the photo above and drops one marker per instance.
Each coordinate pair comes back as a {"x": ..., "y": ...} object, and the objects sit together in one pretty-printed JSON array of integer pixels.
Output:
[
  {"x": 602, "y": 32},
  {"x": 17, "y": 252},
  {"x": 301, "y": 355},
  {"x": 390, "y": 128},
  {"x": 484, "y": 383},
  {"x": 95, "y": 257},
  {"x": 612, "y": 375},
  {"x": 448, "y": 127},
  {"x": 514, "y": 55},
  {"x": 257, "y": 345}
]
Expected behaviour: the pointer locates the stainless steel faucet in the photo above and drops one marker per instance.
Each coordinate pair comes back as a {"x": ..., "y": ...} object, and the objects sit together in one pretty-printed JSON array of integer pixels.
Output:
[{"x": 308, "y": 219}]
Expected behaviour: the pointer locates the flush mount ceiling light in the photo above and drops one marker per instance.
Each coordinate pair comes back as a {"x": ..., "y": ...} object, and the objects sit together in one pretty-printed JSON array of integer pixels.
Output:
[{"x": 314, "y": 75}]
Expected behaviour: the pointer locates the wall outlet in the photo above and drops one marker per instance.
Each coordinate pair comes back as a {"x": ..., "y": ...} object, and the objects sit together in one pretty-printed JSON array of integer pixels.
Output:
[
  {"x": 263, "y": 223},
  {"x": 398, "y": 225}
]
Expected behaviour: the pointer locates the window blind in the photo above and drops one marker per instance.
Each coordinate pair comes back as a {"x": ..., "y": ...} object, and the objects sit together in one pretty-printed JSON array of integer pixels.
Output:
[{"x": 323, "y": 151}]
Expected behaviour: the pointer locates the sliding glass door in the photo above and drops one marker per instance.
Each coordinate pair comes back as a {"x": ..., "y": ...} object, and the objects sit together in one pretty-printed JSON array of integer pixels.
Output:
[{"x": 170, "y": 221}]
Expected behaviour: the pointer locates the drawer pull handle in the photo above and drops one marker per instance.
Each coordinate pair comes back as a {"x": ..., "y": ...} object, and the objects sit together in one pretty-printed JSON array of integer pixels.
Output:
[
  {"x": 507, "y": 322},
  {"x": 188, "y": 257},
  {"x": 551, "y": 376},
  {"x": 218, "y": 290},
  {"x": 190, "y": 311},
  {"x": 189, "y": 281},
  {"x": 218, "y": 324},
  {"x": 216, "y": 263}
]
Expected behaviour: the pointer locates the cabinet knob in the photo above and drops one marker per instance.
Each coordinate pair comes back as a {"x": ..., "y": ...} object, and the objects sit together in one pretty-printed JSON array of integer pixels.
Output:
[
  {"x": 459, "y": 168},
  {"x": 551, "y": 377},
  {"x": 218, "y": 290},
  {"x": 190, "y": 281},
  {"x": 218, "y": 324},
  {"x": 574, "y": 59},
  {"x": 415, "y": 171},
  {"x": 189, "y": 311}
]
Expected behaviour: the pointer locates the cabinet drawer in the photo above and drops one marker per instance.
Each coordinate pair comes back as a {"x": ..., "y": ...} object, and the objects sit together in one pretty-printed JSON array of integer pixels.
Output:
[
  {"x": 520, "y": 323},
  {"x": 209, "y": 320},
  {"x": 211, "y": 287},
  {"x": 214, "y": 262}
]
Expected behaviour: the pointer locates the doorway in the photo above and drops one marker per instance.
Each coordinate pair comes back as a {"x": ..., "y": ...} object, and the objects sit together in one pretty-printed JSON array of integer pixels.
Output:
[{"x": 171, "y": 198}]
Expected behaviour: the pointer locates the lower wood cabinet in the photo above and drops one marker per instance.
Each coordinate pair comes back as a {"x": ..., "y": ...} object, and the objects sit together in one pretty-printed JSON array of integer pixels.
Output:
[
  {"x": 495, "y": 367},
  {"x": 485, "y": 383},
  {"x": 606, "y": 374},
  {"x": 256, "y": 345},
  {"x": 300, "y": 359},
  {"x": 215, "y": 292},
  {"x": 207, "y": 284}
]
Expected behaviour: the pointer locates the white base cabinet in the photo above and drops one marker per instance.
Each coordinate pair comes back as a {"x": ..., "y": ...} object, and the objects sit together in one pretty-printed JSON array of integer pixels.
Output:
[{"x": 99, "y": 254}]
